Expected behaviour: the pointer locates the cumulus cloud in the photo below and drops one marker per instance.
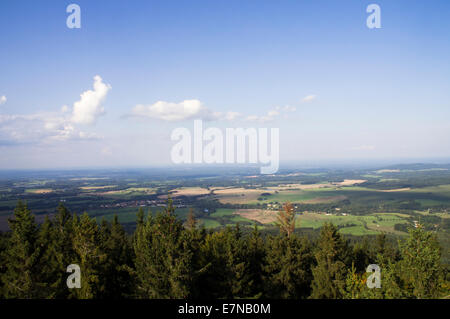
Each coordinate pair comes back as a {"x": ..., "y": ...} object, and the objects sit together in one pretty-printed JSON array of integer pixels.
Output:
[
  {"x": 39, "y": 128},
  {"x": 2, "y": 99},
  {"x": 46, "y": 127},
  {"x": 89, "y": 107},
  {"x": 194, "y": 109},
  {"x": 309, "y": 98},
  {"x": 185, "y": 110}
]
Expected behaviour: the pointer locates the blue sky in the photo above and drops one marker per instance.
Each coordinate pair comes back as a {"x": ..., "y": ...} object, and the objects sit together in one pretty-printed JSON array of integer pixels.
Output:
[{"x": 336, "y": 89}]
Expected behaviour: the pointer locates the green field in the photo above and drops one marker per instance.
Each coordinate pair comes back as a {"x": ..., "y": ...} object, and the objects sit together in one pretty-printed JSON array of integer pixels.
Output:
[
  {"x": 355, "y": 225},
  {"x": 209, "y": 223}
]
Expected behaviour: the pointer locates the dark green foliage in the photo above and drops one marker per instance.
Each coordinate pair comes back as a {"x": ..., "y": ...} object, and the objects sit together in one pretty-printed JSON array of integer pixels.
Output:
[
  {"x": 21, "y": 277},
  {"x": 165, "y": 259},
  {"x": 256, "y": 257},
  {"x": 288, "y": 267},
  {"x": 55, "y": 240},
  {"x": 332, "y": 258},
  {"x": 223, "y": 265},
  {"x": 420, "y": 266},
  {"x": 117, "y": 269},
  {"x": 90, "y": 257}
]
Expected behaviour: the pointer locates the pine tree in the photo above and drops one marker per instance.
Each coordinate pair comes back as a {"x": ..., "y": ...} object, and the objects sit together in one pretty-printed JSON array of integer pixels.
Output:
[
  {"x": 21, "y": 278},
  {"x": 384, "y": 252},
  {"x": 140, "y": 217},
  {"x": 86, "y": 243},
  {"x": 332, "y": 257},
  {"x": 116, "y": 274},
  {"x": 163, "y": 257},
  {"x": 47, "y": 260},
  {"x": 420, "y": 265},
  {"x": 362, "y": 256},
  {"x": 225, "y": 266},
  {"x": 355, "y": 284},
  {"x": 286, "y": 219},
  {"x": 255, "y": 252},
  {"x": 195, "y": 238},
  {"x": 237, "y": 263},
  {"x": 191, "y": 222},
  {"x": 288, "y": 267},
  {"x": 55, "y": 240}
]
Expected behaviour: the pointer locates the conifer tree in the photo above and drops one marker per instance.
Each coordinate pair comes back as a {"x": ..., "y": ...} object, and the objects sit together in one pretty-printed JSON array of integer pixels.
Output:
[
  {"x": 140, "y": 217},
  {"x": 420, "y": 265},
  {"x": 286, "y": 219},
  {"x": 354, "y": 284},
  {"x": 48, "y": 264},
  {"x": 195, "y": 238},
  {"x": 332, "y": 257},
  {"x": 61, "y": 250},
  {"x": 224, "y": 265},
  {"x": 288, "y": 267},
  {"x": 22, "y": 274},
  {"x": 163, "y": 257},
  {"x": 116, "y": 275},
  {"x": 86, "y": 243},
  {"x": 191, "y": 222},
  {"x": 384, "y": 252},
  {"x": 255, "y": 251},
  {"x": 362, "y": 256}
]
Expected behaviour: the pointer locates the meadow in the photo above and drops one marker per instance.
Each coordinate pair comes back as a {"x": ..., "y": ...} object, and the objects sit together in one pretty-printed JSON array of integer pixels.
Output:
[{"x": 359, "y": 202}]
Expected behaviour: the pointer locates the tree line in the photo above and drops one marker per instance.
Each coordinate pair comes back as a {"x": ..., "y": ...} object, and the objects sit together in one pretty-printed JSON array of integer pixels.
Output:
[{"x": 166, "y": 258}]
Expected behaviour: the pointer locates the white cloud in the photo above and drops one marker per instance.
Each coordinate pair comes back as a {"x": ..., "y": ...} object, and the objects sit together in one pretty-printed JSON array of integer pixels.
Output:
[
  {"x": 309, "y": 98},
  {"x": 185, "y": 110},
  {"x": 39, "y": 128},
  {"x": 3, "y": 99},
  {"x": 194, "y": 109},
  {"x": 46, "y": 127},
  {"x": 89, "y": 107}
]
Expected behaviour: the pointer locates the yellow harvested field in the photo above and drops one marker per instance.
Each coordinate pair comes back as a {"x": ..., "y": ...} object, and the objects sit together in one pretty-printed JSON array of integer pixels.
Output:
[
  {"x": 259, "y": 215},
  {"x": 40, "y": 191},
  {"x": 239, "y": 190},
  {"x": 190, "y": 191},
  {"x": 187, "y": 191},
  {"x": 233, "y": 195},
  {"x": 350, "y": 182},
  {"x": 239, "y": 195}
]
